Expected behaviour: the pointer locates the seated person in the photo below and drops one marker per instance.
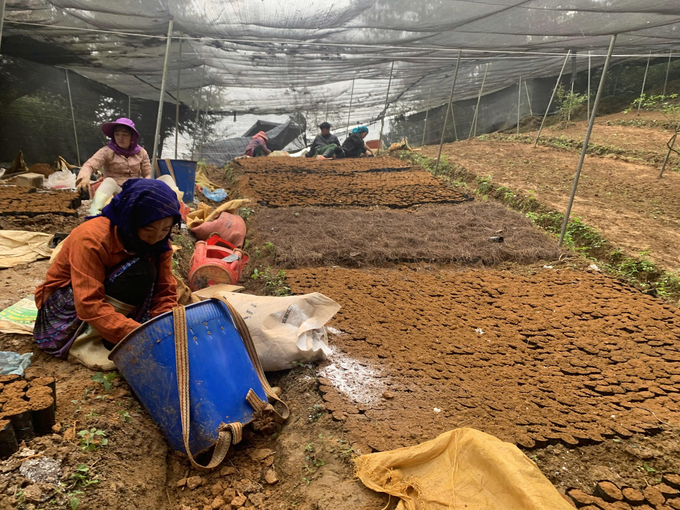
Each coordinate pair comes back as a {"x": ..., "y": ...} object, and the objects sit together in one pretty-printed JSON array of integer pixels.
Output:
[
  {"x": 324, "y": 141},
  {"x": 257, "y": 146},
  {"x": 354, "y": 146},
  {"x": 113, "y": 272}
]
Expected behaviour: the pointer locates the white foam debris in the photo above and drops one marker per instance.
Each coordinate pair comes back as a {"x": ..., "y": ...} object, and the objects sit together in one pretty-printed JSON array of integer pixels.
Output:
[
  {"x": 479, "y": 331},
  {"x": 437, "y": 410},
  {"x": 333, "y": 331},
  {"x": 359, "y": 381}
]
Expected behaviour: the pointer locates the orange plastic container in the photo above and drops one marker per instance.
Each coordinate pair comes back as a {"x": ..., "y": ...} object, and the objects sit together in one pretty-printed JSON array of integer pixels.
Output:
[{"x": 215, "y": 261}]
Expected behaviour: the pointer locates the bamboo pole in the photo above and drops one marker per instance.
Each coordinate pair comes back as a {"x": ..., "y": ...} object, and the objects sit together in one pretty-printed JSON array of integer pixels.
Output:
[
  {"x": 668, "y": 69},
  {"x": 671, "y": 143},
  {"x": 2, "y": 18},
  {"x": 526, "y": 89},
  {"x": 205, "y": 120},
  {"x": 453, "y": 121},
  {"x": 589, "y": 62},
  {"x": 73, "y": 116},
  {"x": 427, "y": 112},
  {"x": 387, "y": 99},
  {"x": 519, "y": 101},
  {"x": 198, "y": 112},
  {"x": 161, "y": 100},
  {"x": 473, "y": 128},
  {"x": 591, "y": 122},
  {"x": 179, "y": 75},
  {"x": 349, "y": 112},
  {"x": 644, "y": 82},
  {"x": 557, "y": 84},
  {"x": 446, "y": 117},
  {"x": 129, "y": 108}
]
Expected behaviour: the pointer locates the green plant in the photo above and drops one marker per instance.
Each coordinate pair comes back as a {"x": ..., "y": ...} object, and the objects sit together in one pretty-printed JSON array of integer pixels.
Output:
[
  {"x": 124, "y": 416},
  {"x": 274, "y": 282},
  {"x": 245, "y": 212},
  {"x": 105, "y": 379},
  {"x": 646, "y": 468},
  {"x": 81, "y": 477},
  {"x": 92, "y": 439},
  {"x": 569, "y": 102},
  {"x": 315, "y": 412},
  {"x": 74, "y": 501}
]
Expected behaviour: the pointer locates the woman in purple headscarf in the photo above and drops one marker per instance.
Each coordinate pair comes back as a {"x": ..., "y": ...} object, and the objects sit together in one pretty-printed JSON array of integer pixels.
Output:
[
  {"x": 120, "y": 160},
  {"x": 113, "y": 273}
]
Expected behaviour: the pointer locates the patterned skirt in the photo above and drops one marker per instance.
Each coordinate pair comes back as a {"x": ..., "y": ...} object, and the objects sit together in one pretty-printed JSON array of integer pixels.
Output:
[{"x": 58, "y": 325}]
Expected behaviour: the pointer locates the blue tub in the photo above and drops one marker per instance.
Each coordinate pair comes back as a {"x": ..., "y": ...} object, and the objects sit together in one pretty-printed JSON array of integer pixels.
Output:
[
  {"x": 185, "y": 175},
  {"x": 220, "y": 372}
]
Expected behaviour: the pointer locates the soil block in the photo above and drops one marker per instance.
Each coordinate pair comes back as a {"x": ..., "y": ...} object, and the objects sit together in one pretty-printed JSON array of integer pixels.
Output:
[
  {"x": 43, "y": 412},
  {"x": 8, "y": 440},
  {"x": 50, "y": 382},
  {"x": 8, "y": 378},
  {"x": 19, "y": 413}
]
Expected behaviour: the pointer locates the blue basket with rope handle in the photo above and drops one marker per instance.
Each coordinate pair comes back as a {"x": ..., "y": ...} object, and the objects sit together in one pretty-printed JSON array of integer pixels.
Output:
[{"x": 196, "y": 372}]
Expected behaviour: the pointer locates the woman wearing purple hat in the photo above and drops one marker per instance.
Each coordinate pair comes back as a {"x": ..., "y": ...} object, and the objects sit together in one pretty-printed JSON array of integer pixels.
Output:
[{"x": 120, "y": 160}]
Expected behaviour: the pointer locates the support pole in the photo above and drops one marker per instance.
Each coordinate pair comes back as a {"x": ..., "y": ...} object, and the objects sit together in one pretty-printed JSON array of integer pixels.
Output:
[
  {"x": 349, "y": 112},
  {"x": 519, "y": 100},
  {"x": 2, "y": 18},
  {"x": 644, "y": 82},
  {"x": 591, "y": 122},
  {"x": 179, "y": 75},
  {"x": 161, "y": 100},
  {"x": 473, "y": 128},
  {"x": 427, "y": 112},
  {"x": 205, "y": 120},
  {"x": 129, "y": 108},
  {"x": 526, "y": 89},
  {"x": 453, "y": 121},
  {"x": 671, "y": 143},
  {"x": 573, "y": 81},
  {"x": 387, "y": 102},
  {"x": 589, "y": 61},
  {"x": 198, "y": 112},
  {"x": 557, "y": 85},
  {"x": 446, "y": 117},
  {"x": 668, "y": 69},
  {"x": 73, "y": 116}
]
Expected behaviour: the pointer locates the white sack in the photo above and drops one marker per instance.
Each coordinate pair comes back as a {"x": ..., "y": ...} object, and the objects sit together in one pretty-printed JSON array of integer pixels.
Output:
[{"x": 286, "y": 329}]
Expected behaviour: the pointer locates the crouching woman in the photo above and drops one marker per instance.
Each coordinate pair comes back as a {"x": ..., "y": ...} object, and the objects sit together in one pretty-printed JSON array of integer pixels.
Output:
[{"x": 113, "y": 273}]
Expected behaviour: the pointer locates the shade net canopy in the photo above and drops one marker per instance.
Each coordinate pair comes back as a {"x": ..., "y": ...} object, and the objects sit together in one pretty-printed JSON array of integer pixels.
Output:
[{"x": 274, "y": 57}]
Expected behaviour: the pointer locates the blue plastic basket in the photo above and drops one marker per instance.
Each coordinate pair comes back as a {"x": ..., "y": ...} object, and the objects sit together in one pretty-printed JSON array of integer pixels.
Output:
[
  {"x": 185, "y": 175},
  {"x": 220, "y": 371}
]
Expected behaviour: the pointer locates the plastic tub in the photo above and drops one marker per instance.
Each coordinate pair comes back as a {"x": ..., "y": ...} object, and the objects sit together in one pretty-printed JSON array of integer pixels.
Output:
[
  {"x": 185, "y": 175},
  {"x": 220, "y": 373}
]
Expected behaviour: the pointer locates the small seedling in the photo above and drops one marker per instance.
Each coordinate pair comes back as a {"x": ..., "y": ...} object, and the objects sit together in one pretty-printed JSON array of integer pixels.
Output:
[
  {"x": 105, "y": 379},
  {"x": 81, "y": 477},
  {"x": 646, "y": 467},
  {"x": 124, "y": 416},
  {"x": 92, "y": 439},
  {"x": 92, "y": 414},
  {"x": 309, "y": 447},
  {"x": 315, "y": 412}
]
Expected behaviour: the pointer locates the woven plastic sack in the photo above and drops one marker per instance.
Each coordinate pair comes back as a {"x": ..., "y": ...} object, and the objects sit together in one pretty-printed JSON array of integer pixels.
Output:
[
  {"x": 462, "y": 468},
  {"x": 229, "y": 227},
  {"x": 285, "y": 329}
]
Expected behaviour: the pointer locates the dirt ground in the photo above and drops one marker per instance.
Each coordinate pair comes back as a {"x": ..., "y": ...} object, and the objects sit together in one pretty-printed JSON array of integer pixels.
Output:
[
  {"x": 312, "y": 165},
  {"x": 625, "y": 201},
  {"x": 17, "y": 201},
  {"x": 464, "y": 233},
  {"x": 388, "y": 188}
]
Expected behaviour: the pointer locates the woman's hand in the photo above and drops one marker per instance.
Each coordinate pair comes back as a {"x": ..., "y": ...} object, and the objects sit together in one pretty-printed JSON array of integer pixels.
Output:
[{"x": 82, "y": 184}]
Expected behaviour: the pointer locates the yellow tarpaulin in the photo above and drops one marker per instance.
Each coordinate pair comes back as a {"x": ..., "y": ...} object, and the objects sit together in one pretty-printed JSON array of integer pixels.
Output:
[
  {"x": 20, "y": 247},
  {"x": 460, "y": 469}
]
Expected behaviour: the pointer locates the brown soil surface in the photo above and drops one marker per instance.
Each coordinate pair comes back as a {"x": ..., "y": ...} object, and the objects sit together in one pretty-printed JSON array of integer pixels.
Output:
[
  {"x": 307, "y": 236},
  {"x": 641, "y": 138},
  {"x": 391, "y": 189},
  {"x": 626, "y": 202},
  {"x": 310, "y": 165},
  {"x": 47, "y": 223},
  {"x": 19, "y": 201},
  {"x": 558, "y": 357}
]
